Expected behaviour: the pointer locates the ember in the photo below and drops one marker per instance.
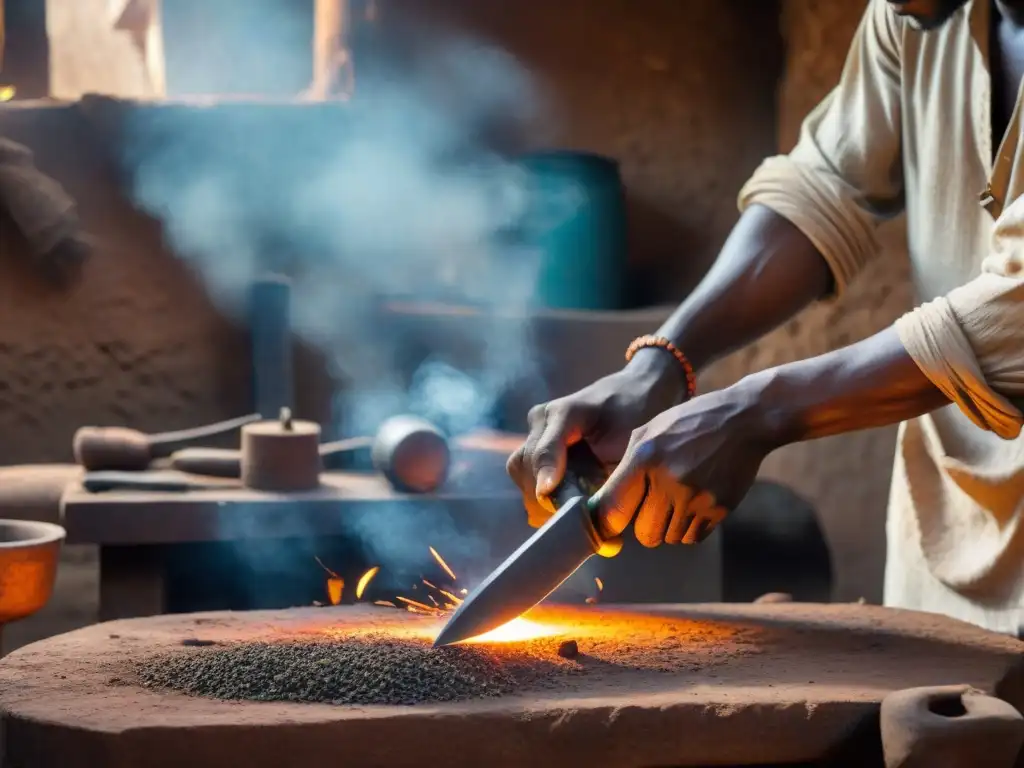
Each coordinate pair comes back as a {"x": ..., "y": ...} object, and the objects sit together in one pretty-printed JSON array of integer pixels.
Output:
[
  {"x": 335, "y": 584},
  {"x": 365, "y": 580},
  {"x": 7, "y": 93},
  {"x": 443, "y": 564}
]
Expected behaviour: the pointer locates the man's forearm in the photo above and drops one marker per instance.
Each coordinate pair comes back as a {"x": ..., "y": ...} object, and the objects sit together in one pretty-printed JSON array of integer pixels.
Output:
[
  {"x": 869, "y": 384},
  {"x": 767, "y": 272}
]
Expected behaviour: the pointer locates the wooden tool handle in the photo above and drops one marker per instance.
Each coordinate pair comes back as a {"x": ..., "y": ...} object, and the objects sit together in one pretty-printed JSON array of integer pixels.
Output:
[
  {"x": 98, "y": 448},
  {"x": 215, "y": 462},
  {"x": 584, "y": 475}
]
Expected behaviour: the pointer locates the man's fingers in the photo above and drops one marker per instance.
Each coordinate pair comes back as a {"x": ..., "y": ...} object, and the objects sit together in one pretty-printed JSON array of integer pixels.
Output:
[
  {"x": 537, "y": 513},
  {"x": 549, "y": 452},
  {"x": 655, "y": 512},
  {"x": 700, "y": 505},
  {"x": 622, "y": 495},
  {"x": 682, "y": 518}
]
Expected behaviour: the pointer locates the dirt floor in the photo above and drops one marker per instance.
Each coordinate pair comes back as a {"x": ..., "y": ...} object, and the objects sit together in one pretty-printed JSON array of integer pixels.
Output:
[{"x": 75, "y": 601}]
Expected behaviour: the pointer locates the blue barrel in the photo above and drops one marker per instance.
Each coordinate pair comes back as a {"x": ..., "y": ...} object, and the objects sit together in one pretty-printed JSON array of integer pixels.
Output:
[{"x": 577, "y": 225}]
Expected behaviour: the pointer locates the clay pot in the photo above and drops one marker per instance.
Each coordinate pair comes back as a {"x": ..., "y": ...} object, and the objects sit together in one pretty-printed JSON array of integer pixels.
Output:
[{"x": 949, "y": 727}]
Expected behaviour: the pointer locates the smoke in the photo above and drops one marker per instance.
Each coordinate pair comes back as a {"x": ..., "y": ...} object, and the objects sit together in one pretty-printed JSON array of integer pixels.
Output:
[{"x": 393, "y": 195}]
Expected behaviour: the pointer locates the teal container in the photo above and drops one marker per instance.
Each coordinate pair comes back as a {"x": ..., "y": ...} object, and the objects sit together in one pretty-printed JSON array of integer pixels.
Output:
[{"x": 576, "y": 226}]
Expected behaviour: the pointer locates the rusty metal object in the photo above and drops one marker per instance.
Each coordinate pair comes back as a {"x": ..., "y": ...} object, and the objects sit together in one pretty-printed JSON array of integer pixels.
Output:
[
  {"x": 949, "y": 727},
  {"x": 28, "y": 567},
  {"x": 281, "y": 456},
  {"x": 120, "y": 448},
  {"x": 412, "y": 454}
]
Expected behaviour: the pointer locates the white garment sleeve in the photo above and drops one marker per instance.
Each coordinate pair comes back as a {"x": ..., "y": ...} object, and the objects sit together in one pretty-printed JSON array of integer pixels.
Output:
[
  {"x": 845, "y": 175},
  {"x": 970, "y": 343}
]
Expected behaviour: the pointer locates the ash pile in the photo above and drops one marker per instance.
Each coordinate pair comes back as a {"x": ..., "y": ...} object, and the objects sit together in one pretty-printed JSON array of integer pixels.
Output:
[{"x": 365, "y": 670}]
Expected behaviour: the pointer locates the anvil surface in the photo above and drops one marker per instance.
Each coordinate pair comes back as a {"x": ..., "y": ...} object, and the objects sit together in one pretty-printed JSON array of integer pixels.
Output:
[{"x": 738, "y": 685}]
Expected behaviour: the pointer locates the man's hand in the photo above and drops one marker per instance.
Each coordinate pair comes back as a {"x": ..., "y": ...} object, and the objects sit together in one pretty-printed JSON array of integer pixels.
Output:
[
  {"x": 687, "y": 468},
  {"x": 604, "y": 414}
]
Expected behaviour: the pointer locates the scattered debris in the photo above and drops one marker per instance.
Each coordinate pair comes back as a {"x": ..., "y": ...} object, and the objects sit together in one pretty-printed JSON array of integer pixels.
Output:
[
  {"x": 775, "y": 597},
  {"x": 367, "y": 670},
  {"x": 569, "y": 649}
]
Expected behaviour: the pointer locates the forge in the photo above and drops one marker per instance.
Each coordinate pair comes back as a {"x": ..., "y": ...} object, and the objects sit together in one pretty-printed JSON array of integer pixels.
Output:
[{"x": 663, "y": 685}]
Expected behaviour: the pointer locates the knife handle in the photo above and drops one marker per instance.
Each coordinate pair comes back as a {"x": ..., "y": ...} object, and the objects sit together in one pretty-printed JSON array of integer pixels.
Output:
[{"x": 584, "y": 475}]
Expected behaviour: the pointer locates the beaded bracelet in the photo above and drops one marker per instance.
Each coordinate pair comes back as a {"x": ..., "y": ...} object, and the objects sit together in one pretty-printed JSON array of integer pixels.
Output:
[{"x": 660, "y": 342}]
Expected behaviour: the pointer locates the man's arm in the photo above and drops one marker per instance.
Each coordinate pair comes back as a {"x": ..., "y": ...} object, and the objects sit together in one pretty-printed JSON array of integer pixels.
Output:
[
  {"x": 872, "y": 383},
  {"x": 809, "y": 217}
]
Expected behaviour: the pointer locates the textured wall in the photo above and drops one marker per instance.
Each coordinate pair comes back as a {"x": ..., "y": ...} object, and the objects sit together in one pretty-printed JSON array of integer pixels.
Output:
[
  {"x": 138, "y": 343},
  {"x": 846, "y": 477},
  {"x": 135, "y": 343},
  {"x": 682, "y": 92}
]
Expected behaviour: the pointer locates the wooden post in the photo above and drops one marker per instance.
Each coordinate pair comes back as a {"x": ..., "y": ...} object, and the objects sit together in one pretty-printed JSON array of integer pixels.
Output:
[
  {"x": 142, "y": 20},
  {"x": 332, "y": 64},
  {"x": 25, "y": 48}
]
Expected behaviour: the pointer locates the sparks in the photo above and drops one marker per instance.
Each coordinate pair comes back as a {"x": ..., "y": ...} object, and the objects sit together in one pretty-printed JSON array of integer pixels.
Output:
[
  {"x": 384, "y": 603},
  {"x": 450, "y": 596},
  {"x": 442, "y": 563},
  {"x": 418, "y": 606},
  {"x": 432, "y": 586},
  {"x": 463, "y": 591},
  {"x": 600, "y": 584},
  {"x": 517, "y": 630},
  {"x": 7, "y": 92},
  {"x": 335, "y": 586},
  {"x": 364, "y": 580}
]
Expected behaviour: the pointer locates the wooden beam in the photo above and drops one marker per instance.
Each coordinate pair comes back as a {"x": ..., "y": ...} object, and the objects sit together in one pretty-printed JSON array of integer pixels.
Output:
[
  {"x": 26, "y": 48},
  {"x": 332, "y": 65}
]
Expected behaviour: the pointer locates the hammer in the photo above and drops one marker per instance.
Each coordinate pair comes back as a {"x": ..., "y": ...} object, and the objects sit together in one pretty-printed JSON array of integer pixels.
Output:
[{"x": 119, "y": 448}]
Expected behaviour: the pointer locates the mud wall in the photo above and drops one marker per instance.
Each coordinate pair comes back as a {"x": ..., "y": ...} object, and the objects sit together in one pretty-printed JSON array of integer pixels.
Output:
[{"x": 688, "y": 94}]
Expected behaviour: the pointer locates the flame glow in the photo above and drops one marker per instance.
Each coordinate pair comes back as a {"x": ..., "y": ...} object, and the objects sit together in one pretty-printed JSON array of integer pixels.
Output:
[
  {"x": 7, "y": 92},
  {"x": 442, "y": 563},
  {"x": 334, "y": 589},
  {"x": 364, "y": 580},
  {"x": 516, "y": 631},
  {"x": 335, "y": 584}
]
